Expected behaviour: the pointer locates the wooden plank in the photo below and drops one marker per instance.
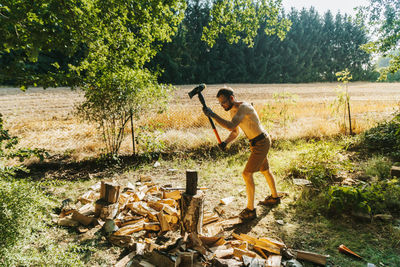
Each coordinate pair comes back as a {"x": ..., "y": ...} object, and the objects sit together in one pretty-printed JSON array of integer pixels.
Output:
[{"x": 311, "y": 256}]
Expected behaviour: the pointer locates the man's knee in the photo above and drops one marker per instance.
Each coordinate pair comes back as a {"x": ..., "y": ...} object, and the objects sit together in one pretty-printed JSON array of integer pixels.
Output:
[{"x": 247, "y": 175}]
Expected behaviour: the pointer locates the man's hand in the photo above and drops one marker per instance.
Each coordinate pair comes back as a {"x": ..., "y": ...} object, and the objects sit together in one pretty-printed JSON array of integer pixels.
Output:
[
  {"x": 222, "y": 146},
  {"x": 208, "y": 112}
]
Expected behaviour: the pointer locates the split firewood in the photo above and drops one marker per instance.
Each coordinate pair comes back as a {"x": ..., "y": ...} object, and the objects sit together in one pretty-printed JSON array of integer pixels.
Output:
[
  {"x": 270, "y": 247},
  {"x": 311, "y": 256},
  {"x": 209, "y": 218},
  {"x": 213, "y": 229},
  {"x": 237, "y": 252},
  {"x": 163, "y": 222},
  {"x": 137, "y": 208},
  {"x": 138, "y": 196},
  {"x": 273, "y": 242},
  {"x": 83, "y": 219},
  {"x": 109, "y": 211},
  {"x": 170, "y": 210},
  {"x": 169, "y": 201},
  {"x": 176, "y": 195},
  {"x": 259, "y": 250},
  {"x": 156, "y": 205},
  {"x": 151, "y": 226},
  {"x": 109, "y": 192},
  {"x": 172, "y": 219},
  {"x": 131, "y": 228},
  {"x": 274, "y": 261},
  {"x": 135, "y": 221},
  {"x": 224, "y": 253}
]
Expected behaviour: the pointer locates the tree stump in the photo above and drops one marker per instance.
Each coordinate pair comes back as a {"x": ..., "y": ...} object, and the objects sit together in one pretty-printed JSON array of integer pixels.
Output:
[
  {"x": 191, "y": 206},
  {"x": 109, "y": 192}
]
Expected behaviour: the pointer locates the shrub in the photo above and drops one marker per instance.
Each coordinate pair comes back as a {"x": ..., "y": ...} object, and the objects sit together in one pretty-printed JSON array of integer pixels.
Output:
[
  {"x": 384, "y": 138},
  {"x": 21, "y": 206},
  {"x": 318, "y": 162},
  {"x": 380, "y": 197},
  {"x": 377, "y": 166}
]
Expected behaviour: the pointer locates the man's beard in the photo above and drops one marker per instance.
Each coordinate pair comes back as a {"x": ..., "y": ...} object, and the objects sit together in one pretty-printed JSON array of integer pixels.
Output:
[{"x": 229, "y": 108}]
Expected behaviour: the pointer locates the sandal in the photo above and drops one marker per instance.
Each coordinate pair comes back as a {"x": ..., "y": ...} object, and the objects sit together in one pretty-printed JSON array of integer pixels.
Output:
[{"x": 247, "y": 214}]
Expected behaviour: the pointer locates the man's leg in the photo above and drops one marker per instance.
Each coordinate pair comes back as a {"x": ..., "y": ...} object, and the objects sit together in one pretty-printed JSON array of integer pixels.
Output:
[
  {"x": 271, "y": 182},
  {"x": 250, "y": 188}
]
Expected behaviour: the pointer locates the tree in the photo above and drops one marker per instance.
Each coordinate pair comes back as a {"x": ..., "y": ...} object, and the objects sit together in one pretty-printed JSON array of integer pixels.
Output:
[
  {"x": 115, "y": 39},
  {"x": 383, "y": 17}
]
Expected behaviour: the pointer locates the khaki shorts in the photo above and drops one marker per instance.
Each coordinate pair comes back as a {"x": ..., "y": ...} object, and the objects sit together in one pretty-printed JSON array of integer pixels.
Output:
[{"x": 258, "y": 160}]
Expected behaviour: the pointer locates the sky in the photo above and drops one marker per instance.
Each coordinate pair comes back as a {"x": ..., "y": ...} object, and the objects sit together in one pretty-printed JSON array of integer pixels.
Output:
[{"x": 344, "y": 6}]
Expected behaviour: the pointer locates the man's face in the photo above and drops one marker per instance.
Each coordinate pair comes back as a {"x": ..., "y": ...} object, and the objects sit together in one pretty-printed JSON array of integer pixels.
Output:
[{"x": 226, "y": 103}]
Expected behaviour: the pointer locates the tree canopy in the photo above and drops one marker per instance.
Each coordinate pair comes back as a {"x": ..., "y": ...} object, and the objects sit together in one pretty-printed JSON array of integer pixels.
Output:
[{"x": 383, "y": 17}]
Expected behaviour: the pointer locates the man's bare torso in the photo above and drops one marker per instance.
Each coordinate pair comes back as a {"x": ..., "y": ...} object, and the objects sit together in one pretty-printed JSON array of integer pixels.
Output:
[{"x": 250, "y": 124}]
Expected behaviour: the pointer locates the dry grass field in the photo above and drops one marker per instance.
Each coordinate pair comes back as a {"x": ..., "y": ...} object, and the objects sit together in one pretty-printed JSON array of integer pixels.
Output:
[{"x": 46, "y": 119}]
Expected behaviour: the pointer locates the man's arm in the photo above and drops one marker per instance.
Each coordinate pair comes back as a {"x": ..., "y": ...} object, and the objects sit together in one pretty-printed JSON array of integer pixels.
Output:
[
  {"x": 230, "y": 125},
  {"x": 232, "y": 136}
]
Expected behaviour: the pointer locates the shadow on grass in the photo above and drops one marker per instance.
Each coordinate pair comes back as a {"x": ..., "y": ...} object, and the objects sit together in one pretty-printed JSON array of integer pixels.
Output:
[{"x": 246, "y": 227}]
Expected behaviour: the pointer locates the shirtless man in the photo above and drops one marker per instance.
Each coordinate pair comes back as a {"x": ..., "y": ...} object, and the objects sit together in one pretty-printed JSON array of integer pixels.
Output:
[{"x": 245, "y": 116}]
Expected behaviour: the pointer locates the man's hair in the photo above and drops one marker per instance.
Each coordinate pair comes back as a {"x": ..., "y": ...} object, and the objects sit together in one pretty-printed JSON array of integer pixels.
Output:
[{"x": 227, "y": 92}]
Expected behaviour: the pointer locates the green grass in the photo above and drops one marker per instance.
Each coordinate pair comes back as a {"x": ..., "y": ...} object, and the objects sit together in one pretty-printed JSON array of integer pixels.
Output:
[{"x": 307, "y": 225}]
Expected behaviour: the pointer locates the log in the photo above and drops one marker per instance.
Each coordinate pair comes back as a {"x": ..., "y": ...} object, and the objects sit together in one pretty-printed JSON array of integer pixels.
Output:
[
  {"x": 109, "y": 211},
  {"x": 191, "y": 182},
  {"x": 109, "y": 192},
  {"x": 191, "y": 213}
]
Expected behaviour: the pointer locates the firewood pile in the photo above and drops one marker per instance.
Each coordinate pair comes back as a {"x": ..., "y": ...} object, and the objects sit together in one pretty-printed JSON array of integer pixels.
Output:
[{"x": 164, "y": 226}]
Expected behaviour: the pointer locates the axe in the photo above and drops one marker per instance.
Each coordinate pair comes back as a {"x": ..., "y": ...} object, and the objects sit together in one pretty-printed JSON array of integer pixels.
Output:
[{"x": 197, "y": 91}]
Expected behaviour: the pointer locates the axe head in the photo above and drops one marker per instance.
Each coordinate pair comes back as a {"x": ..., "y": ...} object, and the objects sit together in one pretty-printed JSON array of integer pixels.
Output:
[{"x": 197, "y": 90}]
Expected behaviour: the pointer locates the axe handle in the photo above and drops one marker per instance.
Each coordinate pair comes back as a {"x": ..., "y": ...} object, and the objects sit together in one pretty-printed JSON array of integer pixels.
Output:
[{"x": 203, "y": 102}]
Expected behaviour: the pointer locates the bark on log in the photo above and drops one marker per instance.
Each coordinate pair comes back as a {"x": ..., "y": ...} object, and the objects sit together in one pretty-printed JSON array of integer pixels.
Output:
[
  {"x": 191, "y": 209},
  {"x": 109, "y": 192}
]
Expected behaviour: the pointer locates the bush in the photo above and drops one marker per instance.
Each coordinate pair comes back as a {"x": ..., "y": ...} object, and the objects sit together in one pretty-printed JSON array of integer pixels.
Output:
[
  {"x": 21, "y": 206},
  {"x": 384, "y": 138},
  {"x": 319, "y": 162},
  {"x": 377, "y": 166},
  {"x": 380, "y": 197}
]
